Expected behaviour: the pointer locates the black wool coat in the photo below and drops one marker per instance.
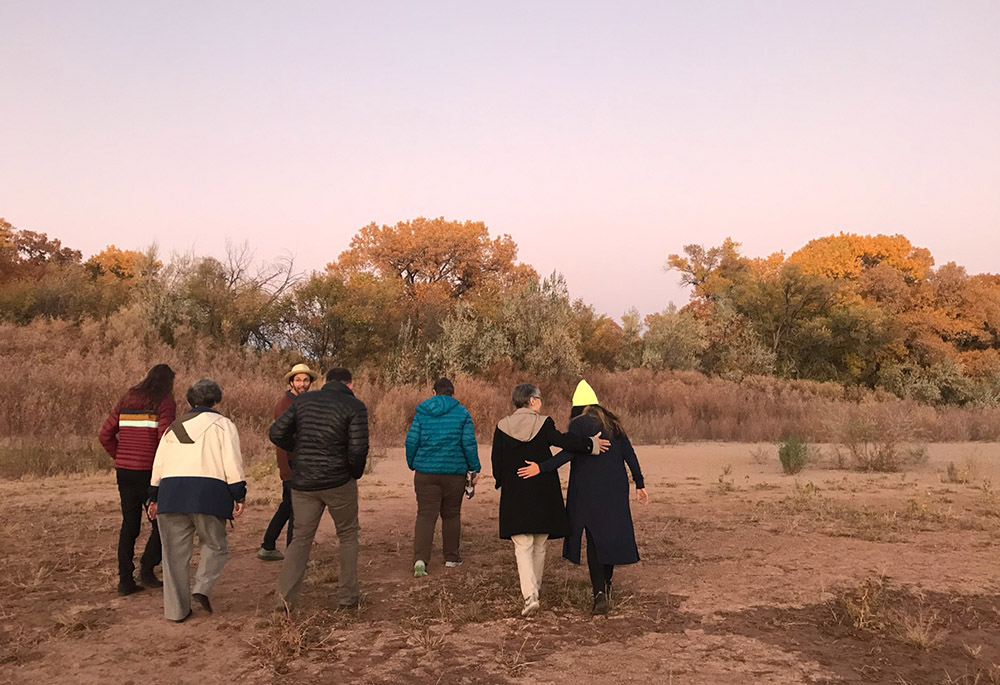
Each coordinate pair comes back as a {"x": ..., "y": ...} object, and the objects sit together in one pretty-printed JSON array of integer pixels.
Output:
[
  {"x": 598, "y": 496},
  {"x": 532, "y": 505}
]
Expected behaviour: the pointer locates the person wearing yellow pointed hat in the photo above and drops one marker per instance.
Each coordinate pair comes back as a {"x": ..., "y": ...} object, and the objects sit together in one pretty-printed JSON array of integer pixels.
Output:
[
  {"x": 597, "y": 500},
  {"x": 299, "y": 379}
]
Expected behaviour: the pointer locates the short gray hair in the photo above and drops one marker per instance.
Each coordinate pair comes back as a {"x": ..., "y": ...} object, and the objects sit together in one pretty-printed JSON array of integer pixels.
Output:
[
  {"x": 523, "y": 394},
  {"x": 204, "y": 393}
]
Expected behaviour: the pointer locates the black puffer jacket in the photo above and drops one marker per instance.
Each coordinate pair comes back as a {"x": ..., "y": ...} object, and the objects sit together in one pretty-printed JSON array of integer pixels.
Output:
[{"x": 326, "y": 435}]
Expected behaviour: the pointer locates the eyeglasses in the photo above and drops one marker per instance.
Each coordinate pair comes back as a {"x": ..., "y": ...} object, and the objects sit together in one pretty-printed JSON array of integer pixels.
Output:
[{"x": 536, "y": 397}]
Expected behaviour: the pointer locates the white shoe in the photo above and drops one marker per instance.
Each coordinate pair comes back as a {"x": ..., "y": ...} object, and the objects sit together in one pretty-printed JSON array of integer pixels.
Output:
[
  {"x": 531, "y": 605},
  {"x": 452, "y": 564}
]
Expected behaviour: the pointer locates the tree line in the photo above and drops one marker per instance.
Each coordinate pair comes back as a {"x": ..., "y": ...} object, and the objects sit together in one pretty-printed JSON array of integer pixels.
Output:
[{"x": 431, "y": 296}]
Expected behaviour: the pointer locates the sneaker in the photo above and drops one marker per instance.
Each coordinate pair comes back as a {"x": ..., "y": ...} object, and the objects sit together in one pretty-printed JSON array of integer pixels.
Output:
[
  {"x": 202, "y": 601},
  {"x": 452, "y": 564},
  {"x": 419, "y": 569},
  {"x": 129, "y": 587},
  {"x": 600, "y": 604},
  {"x": 149, "y": 579},
  {"x": 269, "y": 555},
  {"x": 531, "y": 605}
]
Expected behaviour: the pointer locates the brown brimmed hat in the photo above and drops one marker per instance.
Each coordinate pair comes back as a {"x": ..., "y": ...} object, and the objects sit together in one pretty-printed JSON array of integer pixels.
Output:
[{"x": 297, "y": 369}]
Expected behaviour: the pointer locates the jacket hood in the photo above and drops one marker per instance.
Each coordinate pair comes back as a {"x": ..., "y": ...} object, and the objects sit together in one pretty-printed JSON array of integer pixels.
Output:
[
  {"x": 193, "y": 425},
  {"x": 523, "y": 424},
  {"x": 439, "y": 405}
]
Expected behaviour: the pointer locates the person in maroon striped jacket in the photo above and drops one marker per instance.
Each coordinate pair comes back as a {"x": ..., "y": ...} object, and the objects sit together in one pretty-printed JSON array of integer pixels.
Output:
[{"x": 131, "y": 434}]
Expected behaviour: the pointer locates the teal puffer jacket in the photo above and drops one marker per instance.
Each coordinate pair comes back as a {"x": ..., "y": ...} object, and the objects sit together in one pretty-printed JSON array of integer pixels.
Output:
[{"x": 441, "y": 438}]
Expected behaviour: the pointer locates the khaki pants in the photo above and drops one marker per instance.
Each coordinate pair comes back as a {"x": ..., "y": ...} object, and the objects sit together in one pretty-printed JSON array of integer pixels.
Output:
[
  {"x": 529, "y": 550},
  {"x": 438, "y": 493},
  {"x": 177, "y": 536},
  {"x": 308, "y": 506}
]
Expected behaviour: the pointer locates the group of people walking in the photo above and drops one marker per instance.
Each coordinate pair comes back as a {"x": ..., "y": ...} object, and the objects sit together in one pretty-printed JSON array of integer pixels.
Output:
[{"x": 186, "y": 473}]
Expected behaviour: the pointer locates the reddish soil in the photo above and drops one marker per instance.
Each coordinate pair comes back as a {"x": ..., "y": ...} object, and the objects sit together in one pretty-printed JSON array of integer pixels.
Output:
[{"x": 748, "y": 576}]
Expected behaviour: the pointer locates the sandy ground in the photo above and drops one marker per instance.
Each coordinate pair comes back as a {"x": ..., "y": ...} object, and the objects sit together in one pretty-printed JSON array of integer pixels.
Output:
[{"x": 747, "y": 576}]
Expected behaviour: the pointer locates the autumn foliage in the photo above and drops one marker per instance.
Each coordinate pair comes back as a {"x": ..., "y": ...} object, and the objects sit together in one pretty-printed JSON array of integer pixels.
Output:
[{"x": 406, "y": 302}]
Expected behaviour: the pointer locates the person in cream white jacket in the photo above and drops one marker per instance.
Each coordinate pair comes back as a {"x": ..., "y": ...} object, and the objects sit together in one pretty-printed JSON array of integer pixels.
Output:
[{"x": 197, "y": 485}]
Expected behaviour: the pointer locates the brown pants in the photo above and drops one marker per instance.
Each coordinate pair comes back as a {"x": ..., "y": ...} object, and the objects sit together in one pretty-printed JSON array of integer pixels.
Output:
[
  {"x": 342, "y": 503},
  {"x": 438, "y": 494}
]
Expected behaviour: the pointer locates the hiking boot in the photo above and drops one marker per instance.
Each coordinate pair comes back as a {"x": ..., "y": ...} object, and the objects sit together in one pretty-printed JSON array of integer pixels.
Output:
[
  {"x": 453, "y": 564},
  {"x": 600, "y": 604},
  {"x": 269, "y": 555},
  {"x": 129, "y": 587},
  {"x": 419, "y": 569},
  {"x": 531, "y": 605},
  {"x": 202, "y": 601},
  {"x": 149, "y": 579}
]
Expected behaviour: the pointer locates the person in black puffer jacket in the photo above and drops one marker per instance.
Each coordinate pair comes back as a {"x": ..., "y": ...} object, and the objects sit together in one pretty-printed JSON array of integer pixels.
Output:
[{"x": 326, "y": 435}]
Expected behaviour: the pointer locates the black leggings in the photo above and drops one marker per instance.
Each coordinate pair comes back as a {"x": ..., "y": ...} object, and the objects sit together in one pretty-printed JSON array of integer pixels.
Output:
[{"x": 600, "y": 574}]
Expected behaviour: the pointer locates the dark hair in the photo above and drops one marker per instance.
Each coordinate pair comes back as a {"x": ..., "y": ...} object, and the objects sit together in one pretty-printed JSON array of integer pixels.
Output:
[
  {"x": 151, "y": 390},
  {"x": 339, "y": 374},
  {"x": 522, "y": 395},
  {"x": 204, "y": 393},
  {"x": 443, "y": 386},
  {"x": 611, "y": 425}
]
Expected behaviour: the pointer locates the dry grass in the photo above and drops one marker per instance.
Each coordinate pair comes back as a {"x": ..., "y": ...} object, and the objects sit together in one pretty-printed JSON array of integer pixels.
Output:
[
  {"x": 921, "y": 629},
  {"x": 52, "y": 409}
]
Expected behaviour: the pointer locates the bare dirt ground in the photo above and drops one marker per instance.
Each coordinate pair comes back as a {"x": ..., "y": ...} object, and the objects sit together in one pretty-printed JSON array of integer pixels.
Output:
[{"x": 747, "y": 576}]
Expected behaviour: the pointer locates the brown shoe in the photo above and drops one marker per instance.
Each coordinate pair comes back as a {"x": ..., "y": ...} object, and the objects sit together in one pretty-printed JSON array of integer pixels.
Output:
[{"x": 202, "y": 601}]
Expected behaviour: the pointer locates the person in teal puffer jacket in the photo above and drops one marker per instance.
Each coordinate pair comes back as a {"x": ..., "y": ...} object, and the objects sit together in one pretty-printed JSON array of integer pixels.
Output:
[{"x": 440, "y": 449}]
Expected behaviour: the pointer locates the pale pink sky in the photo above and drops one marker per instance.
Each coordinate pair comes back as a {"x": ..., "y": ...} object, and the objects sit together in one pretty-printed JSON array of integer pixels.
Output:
[{"x": 600, "y": 136}]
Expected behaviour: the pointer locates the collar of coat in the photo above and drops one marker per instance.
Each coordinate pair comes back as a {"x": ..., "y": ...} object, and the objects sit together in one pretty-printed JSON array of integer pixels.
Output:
[
  {"x": 523, "y": 424},
  {"x": 337, "y": 386}
]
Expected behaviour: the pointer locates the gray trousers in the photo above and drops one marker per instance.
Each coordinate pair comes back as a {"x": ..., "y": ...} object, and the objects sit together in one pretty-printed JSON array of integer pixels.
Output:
[
  {"x": 308, "y": 506},
  {"x": 177, "y": 536}
]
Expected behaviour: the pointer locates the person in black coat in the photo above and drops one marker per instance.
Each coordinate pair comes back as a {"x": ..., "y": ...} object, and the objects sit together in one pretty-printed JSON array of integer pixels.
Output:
[
  {"x": 532, "y": 511},
  {"x": 326, "y": 432},
  {"x": 597, "y": 501}
]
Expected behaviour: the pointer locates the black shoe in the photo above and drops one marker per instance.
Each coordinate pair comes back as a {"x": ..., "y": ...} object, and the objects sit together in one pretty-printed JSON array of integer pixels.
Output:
[
  {"x": 600, "y": 604},
  {"x": 202, "y": 601},
  {"x": 181, "y": 620},
  {"x": 149, "y": 579},
  {"x": 128, "y": 587}
]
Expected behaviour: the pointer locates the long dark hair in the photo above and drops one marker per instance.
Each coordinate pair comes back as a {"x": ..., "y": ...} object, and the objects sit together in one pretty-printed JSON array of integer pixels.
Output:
[
  {"x": 611, "y": 425},
  {"x": 153, "y": 389}
]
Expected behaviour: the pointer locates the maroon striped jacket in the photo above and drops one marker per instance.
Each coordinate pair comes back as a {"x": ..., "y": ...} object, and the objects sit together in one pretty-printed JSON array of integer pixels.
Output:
[{"x": 132, "y": 431}]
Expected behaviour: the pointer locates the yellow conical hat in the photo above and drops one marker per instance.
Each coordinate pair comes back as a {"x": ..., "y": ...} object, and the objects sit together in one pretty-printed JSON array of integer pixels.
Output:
[{"x": 584, "y": 395}]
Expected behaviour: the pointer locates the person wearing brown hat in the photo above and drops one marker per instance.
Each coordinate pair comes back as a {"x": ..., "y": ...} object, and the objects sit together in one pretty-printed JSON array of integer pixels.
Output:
[{"x": 299, "y": 380}]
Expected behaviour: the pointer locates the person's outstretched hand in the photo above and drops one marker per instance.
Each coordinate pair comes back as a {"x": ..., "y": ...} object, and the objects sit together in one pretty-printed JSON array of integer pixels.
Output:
[
  {"x": 641, "y": 496},
  {"x": 528, "y": 471},
  {"x": 605, "y": 444}
]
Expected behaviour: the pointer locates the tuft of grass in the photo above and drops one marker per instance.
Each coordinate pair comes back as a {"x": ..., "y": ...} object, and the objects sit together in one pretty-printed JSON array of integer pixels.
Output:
[
  {"x": 863, "y": 605},
  {"x": 793, "y": 454},
  {"x": 921, "y": 629},
  {"x": 761, "y": 455}
]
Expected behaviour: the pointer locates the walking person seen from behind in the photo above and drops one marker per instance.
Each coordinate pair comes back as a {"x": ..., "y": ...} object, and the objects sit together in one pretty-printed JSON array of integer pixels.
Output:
[
  {"x": 197, "y": 486},
  {"x": 326, "y": 432},
  {"x": 441, "y": 450},
  {"x": 597, "y": 501},
  {"x": 299, "y": 379},
  {"x": 531, "y": 510},
  {"x": 130, "y": 435}
]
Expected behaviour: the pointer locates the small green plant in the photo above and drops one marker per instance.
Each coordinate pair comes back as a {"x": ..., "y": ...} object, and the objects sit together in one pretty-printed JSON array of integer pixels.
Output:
[{"x": 793, "y": 454}]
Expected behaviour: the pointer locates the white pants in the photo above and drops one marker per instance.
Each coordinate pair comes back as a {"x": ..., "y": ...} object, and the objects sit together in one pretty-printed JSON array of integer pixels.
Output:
[{"x": 529, "y": 550}]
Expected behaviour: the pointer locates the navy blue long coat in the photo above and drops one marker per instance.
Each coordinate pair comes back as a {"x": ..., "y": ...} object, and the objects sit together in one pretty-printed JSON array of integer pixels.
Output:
[{"x": 598, "y": 496}]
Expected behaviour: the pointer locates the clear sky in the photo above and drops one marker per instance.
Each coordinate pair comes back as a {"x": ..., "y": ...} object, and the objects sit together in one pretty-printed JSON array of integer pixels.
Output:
[{"x": 600, "y": 136}]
